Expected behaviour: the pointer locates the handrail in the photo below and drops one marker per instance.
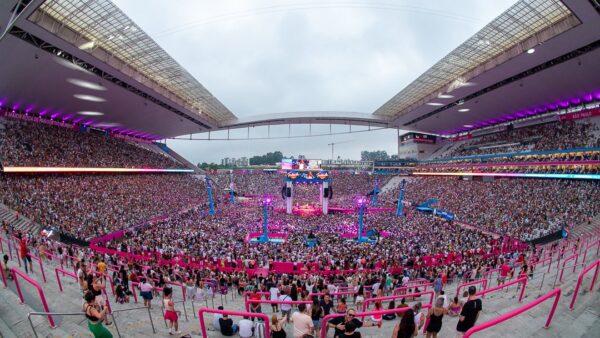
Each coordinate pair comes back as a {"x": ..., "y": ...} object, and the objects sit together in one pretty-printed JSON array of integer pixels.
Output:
[
  {"x": 249, "y": 293},
  {"x": 41, "y": 265},
  {"x": 521, "y": 280},
  {"x": 326, "y": 319},
  {"x": 112, "y": 314},
  {"x": 64, "y": 272},
  {"x": 554, "y": 293},
  {"x": 568, "y": 266},
  {"x": 50, "y": 314},
  {"x": 376, "y": 299},
  {"x": 574, "y": 256},
  {"x": 596, "y": 243},
  {"x": 266, "y": 301},
  {"x": 264, "y": 317},
  {"x": 595, "y": 264},
  {"x": 479, "y": 281},
  {"x": 3, "y": 277},
  {"x": 16, "y": 272},
  {"x": 544, "y": 261},
  {"x": 410, "y": 287}
]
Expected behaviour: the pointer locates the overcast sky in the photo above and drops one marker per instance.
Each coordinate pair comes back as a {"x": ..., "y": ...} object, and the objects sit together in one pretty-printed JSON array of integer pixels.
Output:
[{"x": 260, "y": 57}]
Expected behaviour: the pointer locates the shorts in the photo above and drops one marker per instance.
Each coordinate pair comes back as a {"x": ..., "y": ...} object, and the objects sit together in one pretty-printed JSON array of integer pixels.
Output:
[
  {"x": 286, "y": 313},
  {"x": 171, "y": 316},
  {"x": 147, "y": 295},
  {"x": 27, "y": 258},
  {"x": 501, "y": 278},
  {"x": 359, "y": 299},
  {"x": 317, "y": 323}
]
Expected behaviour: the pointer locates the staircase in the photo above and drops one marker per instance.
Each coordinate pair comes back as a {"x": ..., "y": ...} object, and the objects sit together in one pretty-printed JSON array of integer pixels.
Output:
[
  {"x": 21, "y": 224},
  {"x": 392, "y": 184}
]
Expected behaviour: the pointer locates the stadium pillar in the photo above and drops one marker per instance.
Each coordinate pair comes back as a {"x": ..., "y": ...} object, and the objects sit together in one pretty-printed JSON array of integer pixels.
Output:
[
  {"x": 400, "y": 198},
  {"x": 375, "y": 193},
  {"x": 325, "y": 199},
  {"x": 361, "y": 215},
  {"x": 211, "y": 205},
  {"x": 231, "y": 191},
  {"x": 289, "y": 199}
]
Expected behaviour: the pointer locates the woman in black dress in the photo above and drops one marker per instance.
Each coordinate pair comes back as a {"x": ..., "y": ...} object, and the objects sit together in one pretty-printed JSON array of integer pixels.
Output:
[{"x": 435, "y": 315}]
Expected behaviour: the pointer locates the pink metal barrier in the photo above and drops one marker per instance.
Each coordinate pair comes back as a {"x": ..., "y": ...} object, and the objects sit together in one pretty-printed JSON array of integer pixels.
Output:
[
  {"x": 16, "y": 273},
  {"x": 41, "y": 266},
  {"x": 576, "y": 257},
  {"x": 3, "y": 277},
  {"x": 179, "y": 285},
  {"x": 475, "y": 282},
  {"x": 64, "y": 272},
  {"x": 596, "y": 264},
  {"x": 381, "y": 299},
  {"x": 133, "y": 291},
  {"x": 262, "y": 316},
  {"x": 549, "y": 259},
  {"x": 338, "y": 294},
  {"x": 266, "y": 301},
  {"x": 597, "y": 244},
  {"x": 522, "y": 280},
  {"x": 552, "y": 294},
  {"x": 327, "y": 318},
  {"x": 402, "y": 290}
]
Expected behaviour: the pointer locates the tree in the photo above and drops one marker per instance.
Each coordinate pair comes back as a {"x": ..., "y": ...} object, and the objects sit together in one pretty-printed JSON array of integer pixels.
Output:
[
  {"x": 379, "y": 155},
  {"x": 269, "y": 158}
]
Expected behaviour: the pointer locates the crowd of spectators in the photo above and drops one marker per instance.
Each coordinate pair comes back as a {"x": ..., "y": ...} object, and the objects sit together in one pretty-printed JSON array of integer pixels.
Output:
[
  {"x": 549, "y": 136},
  {"x": 28, "y": 144},
  {"x": 92, "y": 205}
]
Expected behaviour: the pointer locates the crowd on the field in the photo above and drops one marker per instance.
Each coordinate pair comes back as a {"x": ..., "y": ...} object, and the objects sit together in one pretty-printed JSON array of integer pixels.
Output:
[
  {"x": 520, "y": 208},
  {"x": 27, "y": 144}
]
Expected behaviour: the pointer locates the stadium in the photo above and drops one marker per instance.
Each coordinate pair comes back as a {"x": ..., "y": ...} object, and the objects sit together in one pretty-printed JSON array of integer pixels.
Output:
[{"x": 483, "y": 220}]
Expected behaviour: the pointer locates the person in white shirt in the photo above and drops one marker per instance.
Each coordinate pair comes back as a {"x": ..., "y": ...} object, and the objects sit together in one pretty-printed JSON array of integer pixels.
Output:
[
  {"x": 246, "y": 327},
  {"x": 405, "y": 280},
  {"x": 303, "y": 323},
  {"x": 285, "y": 308}
]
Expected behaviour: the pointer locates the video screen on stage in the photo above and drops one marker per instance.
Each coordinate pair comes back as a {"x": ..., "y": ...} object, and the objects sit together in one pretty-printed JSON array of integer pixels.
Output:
[{"x": 294, "y": 164}]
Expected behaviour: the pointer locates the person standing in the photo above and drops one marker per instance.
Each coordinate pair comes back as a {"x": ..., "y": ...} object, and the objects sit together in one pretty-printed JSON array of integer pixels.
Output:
[
  {"x": 406, "y": 328},
  {"x": 470, "y": 312},
  {"x": 285, "y": 308},
  {"x": 303, "y": 323},
  {"x": 435, "y": 316},
  {"x": 95, "y": 315},
  {"x": 170, "y": 314},
  {"x": 25, "y": 254}
]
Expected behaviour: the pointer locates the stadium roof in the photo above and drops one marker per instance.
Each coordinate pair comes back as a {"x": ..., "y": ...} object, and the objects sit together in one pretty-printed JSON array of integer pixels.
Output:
[
  {"x": 81, "y": 44},
  {"x": 509, "y": 33}
]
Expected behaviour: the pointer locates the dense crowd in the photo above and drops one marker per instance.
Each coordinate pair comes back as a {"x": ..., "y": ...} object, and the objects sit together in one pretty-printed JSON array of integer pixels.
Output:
[
  {"x": 505, "y": 168},
  {"x": 27, "y": 144},
  {"x": 549, "y": 136},
  {"x": 521, "y": 208},
  {"x": 93, "y": 205}
]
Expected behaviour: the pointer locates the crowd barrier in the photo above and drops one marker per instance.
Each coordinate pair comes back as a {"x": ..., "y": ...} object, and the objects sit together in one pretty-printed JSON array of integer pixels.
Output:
[
  {"x": 552, "y": 294},
  {"x": 382, "y": 299},
  {"x": 574, "y": 256},
  {"x": 549, "y": 259},
  {"x": 401, "y": 290},
  {"x": 64, "y": 272},
  {"x": 596, "y": 264},
  {"x": 597, "y": 244},
  {"x": 475, "y": 282},
  {"x": 17, "y": 273},
  {"x": 521, "y": 280},
  {"x": 41, "y": 265},
  {"x": 266, "y": 301},
  {"x": 262, "y": 316}
]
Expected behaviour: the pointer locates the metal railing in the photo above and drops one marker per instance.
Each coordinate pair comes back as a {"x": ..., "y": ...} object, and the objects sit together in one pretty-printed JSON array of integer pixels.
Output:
[{"x": 112, "y": 314}]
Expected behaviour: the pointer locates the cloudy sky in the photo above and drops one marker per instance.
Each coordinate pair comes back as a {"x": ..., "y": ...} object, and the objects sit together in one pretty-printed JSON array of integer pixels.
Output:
[{"x": 261, "y": 57}]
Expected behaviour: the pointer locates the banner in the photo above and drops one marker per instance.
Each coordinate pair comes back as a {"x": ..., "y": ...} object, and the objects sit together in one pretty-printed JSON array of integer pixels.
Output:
[{"x": 580, "y": 115}]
